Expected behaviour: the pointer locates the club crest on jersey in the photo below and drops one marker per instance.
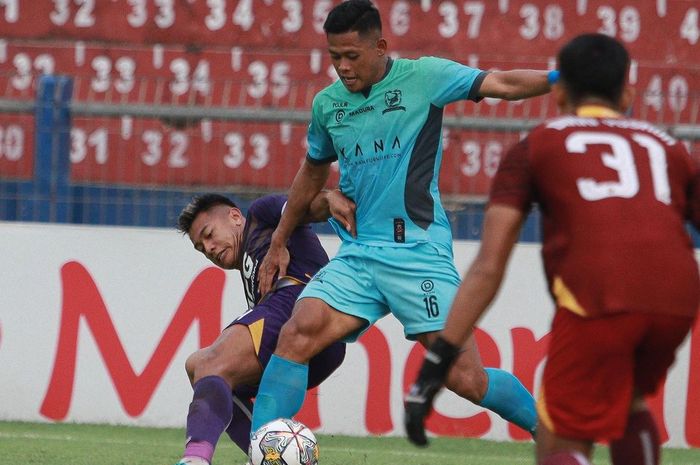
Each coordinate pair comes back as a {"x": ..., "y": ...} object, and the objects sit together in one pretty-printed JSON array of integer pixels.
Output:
[{"x": 392, "y": 99}]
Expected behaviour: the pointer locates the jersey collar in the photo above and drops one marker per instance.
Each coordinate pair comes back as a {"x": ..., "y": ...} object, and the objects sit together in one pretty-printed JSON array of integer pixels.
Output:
[
  {"x": 389, "y": 64},
  {"x": 597, "y": 111}
]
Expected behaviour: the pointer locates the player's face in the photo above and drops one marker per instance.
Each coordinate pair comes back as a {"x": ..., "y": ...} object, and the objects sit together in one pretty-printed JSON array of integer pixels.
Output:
[
  {"x": 360, "y": 61},
  {"x": 217, "y": 233}
]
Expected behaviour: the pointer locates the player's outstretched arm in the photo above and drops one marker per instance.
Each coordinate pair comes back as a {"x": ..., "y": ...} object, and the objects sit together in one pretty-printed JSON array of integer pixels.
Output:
[
  {"x": 307, "y": 184},
  {"x": 501, "y": 229},
  {"x": 515, "y": 84}
]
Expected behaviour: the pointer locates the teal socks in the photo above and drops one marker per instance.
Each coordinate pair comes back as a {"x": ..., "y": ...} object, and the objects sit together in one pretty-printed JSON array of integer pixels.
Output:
[
  {"x": 507, "y": 396},
  {"x": 281, "y": 392}
]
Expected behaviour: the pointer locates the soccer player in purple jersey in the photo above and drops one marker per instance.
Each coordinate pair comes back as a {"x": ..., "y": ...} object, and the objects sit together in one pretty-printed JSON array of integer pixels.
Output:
[{"x": 225, "y": 375}]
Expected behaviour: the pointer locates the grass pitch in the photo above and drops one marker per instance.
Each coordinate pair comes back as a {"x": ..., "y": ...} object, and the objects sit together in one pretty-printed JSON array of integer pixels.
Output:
[{"x": 73, "y": 444}]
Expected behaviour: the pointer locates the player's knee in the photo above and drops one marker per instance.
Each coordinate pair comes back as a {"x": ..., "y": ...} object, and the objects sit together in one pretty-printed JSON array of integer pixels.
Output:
[
  {"x": 467, "y": 382},
  {"x": 207, "y": 362},
  {"x": 296, "y": 341},
  {"x": 190, "y": 364}
]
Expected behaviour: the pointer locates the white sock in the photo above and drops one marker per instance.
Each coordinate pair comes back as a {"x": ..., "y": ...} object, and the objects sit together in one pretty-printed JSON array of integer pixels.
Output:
[{"x": 192, "y": 461}]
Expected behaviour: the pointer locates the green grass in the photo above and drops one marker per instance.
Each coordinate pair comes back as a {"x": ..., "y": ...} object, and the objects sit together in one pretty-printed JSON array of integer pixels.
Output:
[{"x": 72, "y": 444}]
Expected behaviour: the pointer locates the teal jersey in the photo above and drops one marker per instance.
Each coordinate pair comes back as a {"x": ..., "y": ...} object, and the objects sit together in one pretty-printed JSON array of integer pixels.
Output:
[{"x": 388, "y": 143}]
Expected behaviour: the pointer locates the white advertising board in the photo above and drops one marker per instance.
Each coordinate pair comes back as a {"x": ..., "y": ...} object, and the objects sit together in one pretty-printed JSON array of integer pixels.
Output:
[{"x": 96, "y": 324}]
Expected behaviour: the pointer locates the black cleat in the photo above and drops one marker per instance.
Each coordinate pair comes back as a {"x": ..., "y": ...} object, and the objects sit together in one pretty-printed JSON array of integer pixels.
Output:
[{"x": 414, "y": 421}]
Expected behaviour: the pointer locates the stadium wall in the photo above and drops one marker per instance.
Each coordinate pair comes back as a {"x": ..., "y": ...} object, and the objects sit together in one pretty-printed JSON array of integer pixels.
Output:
[
  {"x": 96, "y": 324},
  {"x": 168, "y": 97}
]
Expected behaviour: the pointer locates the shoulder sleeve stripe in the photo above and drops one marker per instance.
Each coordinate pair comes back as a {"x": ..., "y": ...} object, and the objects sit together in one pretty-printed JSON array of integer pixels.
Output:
[
  {"x": 323, "y": 161},
  {"x": 476, "y": 87}
]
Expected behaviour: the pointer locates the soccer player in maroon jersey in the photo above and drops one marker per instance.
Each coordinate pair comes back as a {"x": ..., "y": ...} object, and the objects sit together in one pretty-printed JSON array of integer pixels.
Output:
[
  {"x": 614, "y": 195},
  {"x": 225, "y": 375}
]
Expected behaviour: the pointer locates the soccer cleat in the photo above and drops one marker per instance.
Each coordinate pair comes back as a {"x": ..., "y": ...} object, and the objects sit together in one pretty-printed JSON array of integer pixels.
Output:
[
  {"x": 533, "y": 431},
  {"x": 417, "y": 406},
  {"x": 419, "y": 401},
  {"x": 192, "y": 461}
]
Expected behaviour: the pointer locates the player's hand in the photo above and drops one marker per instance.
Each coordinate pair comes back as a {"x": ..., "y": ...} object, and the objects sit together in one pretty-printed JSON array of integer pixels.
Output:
[
  {"x": 343, "y": 210},
  {"x": 419, "y": 400},
  {"x": 273, "y": 265}
]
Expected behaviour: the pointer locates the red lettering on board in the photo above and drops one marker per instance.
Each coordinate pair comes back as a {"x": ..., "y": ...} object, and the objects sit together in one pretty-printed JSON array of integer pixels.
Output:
[
  {"x": 309, "y": 414},
  {"x": 443, "y": 425},
  {"x": 528, "y": 354},
  {"x": 378, "y": 405},
  {"x": 81, "y": 299}
]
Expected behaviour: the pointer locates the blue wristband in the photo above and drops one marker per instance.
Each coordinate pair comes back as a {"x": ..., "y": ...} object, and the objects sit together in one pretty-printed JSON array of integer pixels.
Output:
[{"x": 553, "y": 76}]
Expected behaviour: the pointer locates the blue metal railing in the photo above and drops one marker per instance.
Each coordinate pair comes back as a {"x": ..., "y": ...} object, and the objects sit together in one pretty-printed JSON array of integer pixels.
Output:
[{"x": 50, "y": 196}]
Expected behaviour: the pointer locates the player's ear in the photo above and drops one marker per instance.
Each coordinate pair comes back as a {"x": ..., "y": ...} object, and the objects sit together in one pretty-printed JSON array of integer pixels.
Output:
[
  {"x": 381, "y": 46},
  {"x": 560, "y": 97},
  {"x": 627, "y": 98},
  {"x": 235, "y": 215}
]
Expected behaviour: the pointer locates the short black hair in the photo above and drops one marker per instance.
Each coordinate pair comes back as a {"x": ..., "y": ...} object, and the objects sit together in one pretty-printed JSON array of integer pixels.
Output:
[
  {"x": 594, "y": 65},
  {"x": 199, "y": 204},
  {"x": 353, "y": 15}
]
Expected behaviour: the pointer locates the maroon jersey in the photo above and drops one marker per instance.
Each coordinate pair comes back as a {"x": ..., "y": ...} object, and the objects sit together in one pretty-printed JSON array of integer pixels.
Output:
[{"x": 614, "y": 195}]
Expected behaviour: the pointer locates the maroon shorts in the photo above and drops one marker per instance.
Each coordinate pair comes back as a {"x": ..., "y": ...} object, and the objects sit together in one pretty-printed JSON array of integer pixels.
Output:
[{"x": 594, "y": 365}]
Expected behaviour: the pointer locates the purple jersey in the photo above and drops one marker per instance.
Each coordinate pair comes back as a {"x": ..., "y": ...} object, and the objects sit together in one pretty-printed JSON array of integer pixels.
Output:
[
  {"x": 307, "y": 255},
  {"x": 265, "y": 318}
]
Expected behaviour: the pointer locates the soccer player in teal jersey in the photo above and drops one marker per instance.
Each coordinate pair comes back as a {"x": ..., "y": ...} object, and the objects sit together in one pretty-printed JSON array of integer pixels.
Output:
[{"x": 382, "y": 121}]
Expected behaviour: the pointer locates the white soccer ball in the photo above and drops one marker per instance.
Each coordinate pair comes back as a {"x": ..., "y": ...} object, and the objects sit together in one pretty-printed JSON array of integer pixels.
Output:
[{"x": 283, "y": 442}]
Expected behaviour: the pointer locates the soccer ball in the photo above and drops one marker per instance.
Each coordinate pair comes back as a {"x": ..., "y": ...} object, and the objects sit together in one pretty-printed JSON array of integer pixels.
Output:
[{"x": 283, "y": 442}]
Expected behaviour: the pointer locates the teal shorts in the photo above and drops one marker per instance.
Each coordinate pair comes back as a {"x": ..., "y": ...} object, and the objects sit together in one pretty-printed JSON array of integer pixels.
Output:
[{"x": 417, "y": 284}]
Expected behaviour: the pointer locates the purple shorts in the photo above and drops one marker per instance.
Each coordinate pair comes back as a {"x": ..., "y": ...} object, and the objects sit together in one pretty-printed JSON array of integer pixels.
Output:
[{"x": 265, "y": 320}]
